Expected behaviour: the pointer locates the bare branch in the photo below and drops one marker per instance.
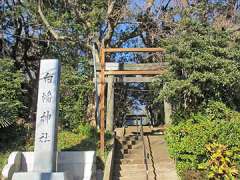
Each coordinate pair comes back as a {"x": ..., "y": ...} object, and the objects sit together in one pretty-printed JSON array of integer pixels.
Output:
[
  {"x": 108, "y": 36},
  {"x": 166, "y": 6},
  {"x": 111, "y": 4},
  {"x": 50, "y": 29},
  {"x": 127, "y": 36},
  {"x": 231, "y": 11},
  {"x": 114, "y": 14}
]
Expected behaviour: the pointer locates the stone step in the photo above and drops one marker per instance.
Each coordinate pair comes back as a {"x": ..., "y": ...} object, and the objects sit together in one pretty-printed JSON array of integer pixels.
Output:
[
  {"x": 133, "y": 152},
  {"x": 120, "y": 156},
  {"x": 133, "y": 155},
  {"x": 126, "y": 143},
  {"x": 129, "y": 138},
  {"x": 136, "y": 177},
  {"x": 131, "y": 164},
  {"x": 129, "y": 178},
  {"x": 129, "y": 142},
  {"x": 128, "y": 146},
  {"x": 131, "y": 170},
  {"x": 136, "y": 172},
  {"x": 129, "y": 150},
  {"x": 130, "y": 161},
  {"x": 130, "y": 167}
]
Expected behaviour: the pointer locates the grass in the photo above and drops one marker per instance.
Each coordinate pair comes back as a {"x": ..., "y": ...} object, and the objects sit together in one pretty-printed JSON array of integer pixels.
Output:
[{"x": 72, "y": 141}]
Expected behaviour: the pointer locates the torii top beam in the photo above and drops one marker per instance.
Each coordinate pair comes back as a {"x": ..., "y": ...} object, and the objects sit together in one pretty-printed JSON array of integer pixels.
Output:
[{"x": 122, "y": 50}]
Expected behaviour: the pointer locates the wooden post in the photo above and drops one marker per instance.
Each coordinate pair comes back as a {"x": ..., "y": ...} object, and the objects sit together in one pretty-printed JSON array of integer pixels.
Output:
[
  {"x": 167, "y": 112},
  {"x": 110, "y": 104},
  {"x": 102, "y": 101}
]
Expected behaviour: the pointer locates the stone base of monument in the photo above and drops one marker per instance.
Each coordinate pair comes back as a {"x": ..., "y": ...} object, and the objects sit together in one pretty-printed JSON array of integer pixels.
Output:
[
  {"x": 78, "y": 165},
  {"x": 42, "y": 176}
]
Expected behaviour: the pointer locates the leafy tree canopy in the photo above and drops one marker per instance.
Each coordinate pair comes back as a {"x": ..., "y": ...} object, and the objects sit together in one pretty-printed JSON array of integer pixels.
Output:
[{"x": 204, "y": 66}]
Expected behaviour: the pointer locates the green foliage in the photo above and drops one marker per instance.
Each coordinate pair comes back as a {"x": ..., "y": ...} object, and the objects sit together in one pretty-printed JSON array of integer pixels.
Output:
[
  {"x": 88, "y": 14},
  {"x": 75, "y": 22},
  {"x": 76, "y": 90},
  {"x": 10, "y": 92},
  {"x": 203, "y": 86},
  {"x": 68, "y": 139},
  {"x": 221, "y": 162},
  {"x": 86, "y": 130},
  {"x": 204, "y": 66},
  {"x": 218, "y": 110},
  {"x": 188, "y": 140},
  {"x": 84, "y": 138}
]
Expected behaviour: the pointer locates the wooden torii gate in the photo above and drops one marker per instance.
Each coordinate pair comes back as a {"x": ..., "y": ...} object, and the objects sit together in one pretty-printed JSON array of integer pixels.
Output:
[{"x": 143, "y": 69}]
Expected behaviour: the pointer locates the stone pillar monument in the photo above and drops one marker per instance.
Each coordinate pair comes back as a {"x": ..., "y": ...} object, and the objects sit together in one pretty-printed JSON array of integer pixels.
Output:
[
  {"x": 47, "y": 116},
  {"x": 44, "y": 163}
]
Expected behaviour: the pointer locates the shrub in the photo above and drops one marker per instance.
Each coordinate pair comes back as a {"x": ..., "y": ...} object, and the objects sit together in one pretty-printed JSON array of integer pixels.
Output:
[
  {"x": 188, "y": 140},
  {"x": 85, "y": 130},
  {"x": 68, "y": 140},
  {"x": 83, "y": 138},
  {"x": 203, "y": 67},
  {"x": 218, "y": 110},
  {"x": 10, "y": 92},
  {"x": 221, "y": 162}
]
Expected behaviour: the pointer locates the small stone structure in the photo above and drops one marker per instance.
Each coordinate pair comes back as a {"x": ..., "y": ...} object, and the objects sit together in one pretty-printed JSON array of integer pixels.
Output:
[
  {"x": 78, "y": 165},
  {"x": 45, "y": 163}
]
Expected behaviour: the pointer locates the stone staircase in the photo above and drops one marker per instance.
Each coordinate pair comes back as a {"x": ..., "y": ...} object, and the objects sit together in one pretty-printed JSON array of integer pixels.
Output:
[
  {"x": 129, "y": 159},
  {"x": 129, "y": 156}
]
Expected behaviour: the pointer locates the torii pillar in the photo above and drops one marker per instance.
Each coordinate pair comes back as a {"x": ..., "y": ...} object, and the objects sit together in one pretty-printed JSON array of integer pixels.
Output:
[
  {"x": 167, "y": 112},
  {"x": 110, "y": 104}
]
